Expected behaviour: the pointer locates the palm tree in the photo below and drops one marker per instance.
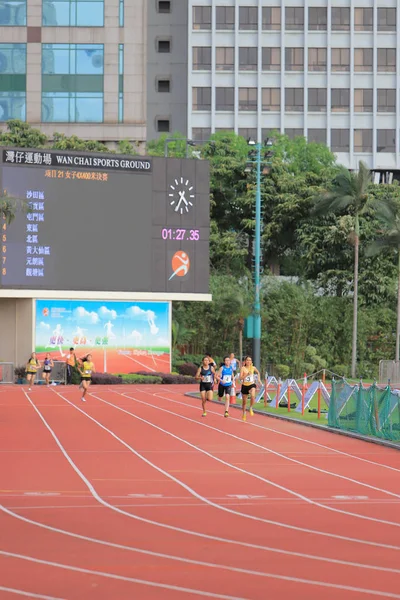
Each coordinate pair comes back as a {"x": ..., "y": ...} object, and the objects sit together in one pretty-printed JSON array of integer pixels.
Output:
[
  {"x": 349, "y": 192},
  {"x": 389, "y": 214},
  {"x": 236, "y": 306},
  {"x": 181, "y": 336},
  {"x": 9, "y": 206}
]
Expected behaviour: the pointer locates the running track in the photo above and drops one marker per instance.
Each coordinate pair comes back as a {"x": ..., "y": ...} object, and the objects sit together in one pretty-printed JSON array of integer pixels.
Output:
[{"x": 134, "y": 495}]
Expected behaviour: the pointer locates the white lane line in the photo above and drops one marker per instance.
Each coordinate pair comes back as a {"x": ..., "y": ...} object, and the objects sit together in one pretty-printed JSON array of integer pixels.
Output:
[
  {"x": 163, "y": 586},
  {"x": 198, "y": 592},
  {"x": 139, "y": 363},
  {"x": 27, "y": 594},
  {"x": 193, "y": 493},
  {"x": 282, "y": 433},
  {"x": 298, "y": 495}
]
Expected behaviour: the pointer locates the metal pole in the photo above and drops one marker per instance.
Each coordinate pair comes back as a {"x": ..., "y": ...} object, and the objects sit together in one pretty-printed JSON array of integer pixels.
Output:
[{"x": 257, "y": 253}]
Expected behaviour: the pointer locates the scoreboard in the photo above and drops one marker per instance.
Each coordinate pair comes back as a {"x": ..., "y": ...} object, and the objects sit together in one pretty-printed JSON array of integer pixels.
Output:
[{"x": 104, "y": 222}]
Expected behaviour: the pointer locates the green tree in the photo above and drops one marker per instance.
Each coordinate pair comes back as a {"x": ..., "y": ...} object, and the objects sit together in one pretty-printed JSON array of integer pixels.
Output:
[
  {"x": 388, "y": 212},
  {"x": 19, "y": 134},
  {"x": 348, "y": 192},
  {"x": 175, "y": 147}
]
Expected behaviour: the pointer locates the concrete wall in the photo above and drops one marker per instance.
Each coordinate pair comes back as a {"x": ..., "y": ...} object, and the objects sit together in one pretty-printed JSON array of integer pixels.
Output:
[
  {"x": 17, "y": 322},
  {"x": 172, "y": 105}
]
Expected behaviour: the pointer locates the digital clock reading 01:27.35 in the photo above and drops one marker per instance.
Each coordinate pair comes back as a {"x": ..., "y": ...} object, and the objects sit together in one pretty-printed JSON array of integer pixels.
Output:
[{"x": 180, "y": 234}]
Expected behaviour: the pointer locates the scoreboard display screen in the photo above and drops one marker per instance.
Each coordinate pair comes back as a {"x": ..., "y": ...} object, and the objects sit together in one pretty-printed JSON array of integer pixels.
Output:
[{"x": 103, "y": 222}]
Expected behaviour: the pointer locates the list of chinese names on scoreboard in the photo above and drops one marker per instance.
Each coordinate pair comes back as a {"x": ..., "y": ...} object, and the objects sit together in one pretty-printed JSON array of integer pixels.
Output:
[{"x": 35, "y": 252}]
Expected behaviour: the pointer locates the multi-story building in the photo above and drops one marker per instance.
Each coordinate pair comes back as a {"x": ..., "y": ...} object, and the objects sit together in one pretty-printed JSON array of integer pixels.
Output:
[
  {"x": 329, "y": 70},
  {"x": 75, "y": 66}
]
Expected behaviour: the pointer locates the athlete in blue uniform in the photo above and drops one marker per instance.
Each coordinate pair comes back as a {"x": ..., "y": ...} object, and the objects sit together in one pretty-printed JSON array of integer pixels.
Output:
[
  {"x": 205, "y": 374},
  {"x": 225, "y": 383}
]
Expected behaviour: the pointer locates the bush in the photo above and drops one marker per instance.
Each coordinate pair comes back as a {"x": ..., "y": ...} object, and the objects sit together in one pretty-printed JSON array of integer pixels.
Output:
[
  {"x": 105, "y": 379},
  {"x": 282, "y": 371},
  {"x": 340, "y": 370},
  {"x": 187, "y": 368},
  {"x": 169, "y": 378},
  {"x": 20, "y": 372},
  {"x": 130, "y": 378}
]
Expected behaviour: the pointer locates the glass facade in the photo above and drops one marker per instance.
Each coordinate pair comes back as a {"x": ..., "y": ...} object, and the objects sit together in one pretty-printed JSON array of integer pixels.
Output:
[
  {"x": 121, "y": 13},
  {"x": 72, "y": 83},
  {"x": 12, "y": 13},
  {"x": 121, "y": 83},
  {"x": 12, "y": 81},
  {"x": 73, "y": 13}
]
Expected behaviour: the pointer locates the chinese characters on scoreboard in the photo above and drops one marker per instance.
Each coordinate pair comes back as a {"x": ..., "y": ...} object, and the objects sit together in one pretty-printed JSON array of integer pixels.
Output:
[
  {"x": 36, "y": 253},
  {"x": 27, "y": 158}
]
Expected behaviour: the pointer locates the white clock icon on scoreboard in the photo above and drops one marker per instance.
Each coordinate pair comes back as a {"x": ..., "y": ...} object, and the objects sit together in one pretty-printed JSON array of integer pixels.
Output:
[{"x": 181, "y": 195}]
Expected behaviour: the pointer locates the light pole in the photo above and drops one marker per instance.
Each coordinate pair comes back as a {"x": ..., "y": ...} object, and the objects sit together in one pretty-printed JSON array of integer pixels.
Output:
[{"x": 258, "y": 160}]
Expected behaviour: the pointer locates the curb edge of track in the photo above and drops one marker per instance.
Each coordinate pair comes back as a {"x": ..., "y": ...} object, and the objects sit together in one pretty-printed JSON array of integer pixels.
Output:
[{"x": 357, "y": 436}]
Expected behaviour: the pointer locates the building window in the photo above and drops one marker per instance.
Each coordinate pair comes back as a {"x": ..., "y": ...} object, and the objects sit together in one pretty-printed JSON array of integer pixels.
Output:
[
  {"x": 271, "y": 18},
  {"x": 363, "y": 99},
  {"x": 248, "y": 59},
  {"x": 72, "y": 83},
  {"x": 73, "y": 13},
  {"x": 387, "y": 60},
  {"x": 340, "y": 99},
  {"x": 224, "y": 130},
  {"x": 317, "y": 18},
  {"x": 294, "y": 59},
  {"x": 387, "y": 100},
  {"x": 363, "y": 59},
  {"x": 248, "y": 18},
  {"x": 386, "y": 19},
  {"x": 271, "y": 99},
  {"x": 363, "y": 19},
  {"x": 225, "y": 17},
  {"x": 201, "y": 98},
  {"x": 294, "y": 18},
  {"x": 340, "y": 140},
  {"x": 163, "y": 86},
  {"x": 163, "y": 46},
  {"x": 121, "y": 83},
  {"x": 248, "y": 133},
  {"x": 12, "y": 82},
  {"x": 340, "y": 59},
  {"x": 317, "y": 135},
  {"x": 225, "y": 59},
  {"x": 317, "y": 59},
  {"x": 294, "y": 99},
  {"x": 271, "y": 59},
  {"x": 224, "y": 98},
  {"x": 201, "y": 134},
  {"x": 363, "y": 140},
  {"x": 121, "y": 13},
  {"x": 13, "y": 13},
  {"x": 163, "y": 125},
  {"x": 340, "y": 20},
  {"x": 386, "y": 140},
  {"x": 293, "y": 132},
  {"x": 164, "y": 6},
  {"x": 248, "y": 99},
  {"x": 202, "y": 17},
  {"x": 317, "y": 99},
  {"x": 201, "y": 58}
]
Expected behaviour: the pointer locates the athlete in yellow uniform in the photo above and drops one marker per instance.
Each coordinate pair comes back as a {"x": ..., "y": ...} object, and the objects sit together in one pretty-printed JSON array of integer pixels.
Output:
[
  {"x": 31, "y": 369},
  {"x": 86, "y": 371},
  {"x": 248, "y": 374}
]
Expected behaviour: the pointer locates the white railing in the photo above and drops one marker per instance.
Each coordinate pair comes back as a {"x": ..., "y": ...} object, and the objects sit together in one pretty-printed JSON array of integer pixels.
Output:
[
  {"x": 389, "y": 370},
  {"x": 6, "y": 372}
]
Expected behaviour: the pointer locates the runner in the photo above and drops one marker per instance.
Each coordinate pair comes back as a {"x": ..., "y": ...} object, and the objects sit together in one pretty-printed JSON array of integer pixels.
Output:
[
  {"x": 31, "y": 369},
  {"x": 205, "y": 374},
  {"x": 234, "y": 363},
  {"x": 86, "y": 374},
  {"x": 48, "y": 365},
  {"x": 214, "y": 365},
  {"x": 71, "y": 362},
  {"x": 225, "y": 382},
  {"x": 247, "y": 377}
]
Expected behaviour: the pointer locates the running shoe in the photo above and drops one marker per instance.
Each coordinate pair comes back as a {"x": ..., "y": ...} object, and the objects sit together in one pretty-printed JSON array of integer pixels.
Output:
[
  {"x": 204, "y": 414},
  {"x": 251, "y": 412},
  {"x": 29, "y": 389},
  {"x": 83, "y": 399},
  {"x": 226, "y": 414},
  {"x": 244, "y": 417}
]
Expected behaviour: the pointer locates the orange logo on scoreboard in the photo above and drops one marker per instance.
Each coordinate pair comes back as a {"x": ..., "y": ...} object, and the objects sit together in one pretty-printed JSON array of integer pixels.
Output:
[{"x": 180, "y": 264}]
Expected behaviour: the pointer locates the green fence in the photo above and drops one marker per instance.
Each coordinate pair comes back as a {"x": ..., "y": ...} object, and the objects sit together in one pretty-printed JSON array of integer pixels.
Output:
[{"x": 368, "y": 410}]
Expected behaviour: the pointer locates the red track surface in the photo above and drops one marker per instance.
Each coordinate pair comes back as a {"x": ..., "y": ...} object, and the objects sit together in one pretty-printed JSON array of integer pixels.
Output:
[
  {"x": 135, "y": 495},
  {"x": 119, "y": 363}
]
